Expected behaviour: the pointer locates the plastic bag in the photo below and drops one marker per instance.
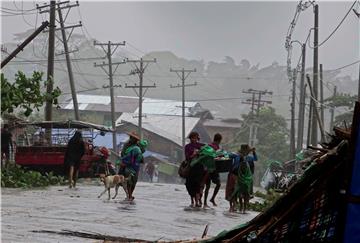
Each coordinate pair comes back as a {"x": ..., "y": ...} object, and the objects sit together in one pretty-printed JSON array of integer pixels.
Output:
[{"x": 268, "y": 180}]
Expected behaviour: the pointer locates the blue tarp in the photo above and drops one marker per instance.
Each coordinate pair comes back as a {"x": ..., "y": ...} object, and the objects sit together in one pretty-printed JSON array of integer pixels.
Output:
[
  {"x": 106, "y": 140},
  {"x": 352, "y": 227},
  {"x": 63, "y": 135}
]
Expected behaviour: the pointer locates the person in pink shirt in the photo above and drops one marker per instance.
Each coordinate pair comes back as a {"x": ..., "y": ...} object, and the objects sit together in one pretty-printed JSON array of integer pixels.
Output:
[{"x": 196, "y": 173}]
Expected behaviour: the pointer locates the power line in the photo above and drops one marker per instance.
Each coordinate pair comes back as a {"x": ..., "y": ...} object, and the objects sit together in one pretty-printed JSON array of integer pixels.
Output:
[
  {"x": 144, "y": 53},
  {"x": 337, "y": 27},
  {"x": 7, "y": 13},
  {"x": 134, "y": 47},
  {"x": 61, "y": 60},
  {"x": 189, "y": 100},
  {"x": 18, "y": 10},
  {"x": 77, "y": 67},
  {"x": 288, "y": 43},
  {"x": 220, "y": 77},
  {"x": 348, "y": 65}
]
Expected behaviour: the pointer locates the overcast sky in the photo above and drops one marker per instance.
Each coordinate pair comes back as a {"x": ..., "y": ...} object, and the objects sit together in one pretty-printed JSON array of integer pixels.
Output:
[{"x": 209, "y": 30}]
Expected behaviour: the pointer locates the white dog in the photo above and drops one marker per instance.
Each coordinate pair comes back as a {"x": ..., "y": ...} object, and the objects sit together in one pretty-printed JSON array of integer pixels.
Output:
[{"x": 116, "y": 181}]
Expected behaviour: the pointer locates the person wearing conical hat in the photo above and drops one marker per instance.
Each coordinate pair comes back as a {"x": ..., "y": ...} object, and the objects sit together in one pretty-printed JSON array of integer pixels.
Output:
[{"x": 131, "y": 158}]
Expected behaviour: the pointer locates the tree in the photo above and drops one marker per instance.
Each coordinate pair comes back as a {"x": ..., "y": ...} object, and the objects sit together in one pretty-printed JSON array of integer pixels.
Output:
[
  {"x": 25, "y": 93},
  {"x": 342, "y": 100},
  {"x": 272, "y": 136}
]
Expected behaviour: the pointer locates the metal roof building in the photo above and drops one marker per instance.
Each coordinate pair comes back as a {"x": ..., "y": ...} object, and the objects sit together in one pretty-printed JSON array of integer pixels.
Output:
[
  {"x": 89, "y": 102},
  {"x": 169, "y": 107},
  {"x": 130, "y": 104},
  {"x": 169, "y": 127}
]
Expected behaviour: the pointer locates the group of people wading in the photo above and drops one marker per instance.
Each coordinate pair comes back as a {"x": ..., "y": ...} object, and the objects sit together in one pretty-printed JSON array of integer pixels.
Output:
[
  {"x": 201, "y": 170},
  {"x": 239, "y": 185}
]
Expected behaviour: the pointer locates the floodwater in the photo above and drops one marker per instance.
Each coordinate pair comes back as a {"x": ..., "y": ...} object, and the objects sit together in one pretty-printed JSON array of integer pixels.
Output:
[{"x": 158, "y": 212}]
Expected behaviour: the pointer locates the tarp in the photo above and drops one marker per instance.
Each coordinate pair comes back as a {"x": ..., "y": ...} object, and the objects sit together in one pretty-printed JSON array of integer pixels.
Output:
[
  {"x": 67, "y": 124},
  {"x": 352, "y": 226},
  {"x": 106, "y": 140}
]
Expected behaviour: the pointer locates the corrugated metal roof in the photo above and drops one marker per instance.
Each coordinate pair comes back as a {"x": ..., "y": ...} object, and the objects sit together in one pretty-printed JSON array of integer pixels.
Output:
[
  {"x": 84, "y": 100},
  {"x": 168, "y": 107},
  {"x": 222, "y": 123},
  {"x": 66, "y": 124},
  {"x": 102, "y": 103},
  {"x": 131, "y": 103},
  {"x": 169, "y": 127}
]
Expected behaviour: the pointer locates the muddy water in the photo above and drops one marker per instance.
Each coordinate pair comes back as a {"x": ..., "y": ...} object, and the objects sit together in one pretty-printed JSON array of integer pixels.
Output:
[{"x": 158, "y": 212}]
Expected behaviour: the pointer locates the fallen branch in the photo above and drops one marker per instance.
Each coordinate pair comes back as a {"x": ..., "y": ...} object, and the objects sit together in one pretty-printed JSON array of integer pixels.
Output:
[
  {"x": 90, "y": 236},
  {"x": 320, "y": 149}
]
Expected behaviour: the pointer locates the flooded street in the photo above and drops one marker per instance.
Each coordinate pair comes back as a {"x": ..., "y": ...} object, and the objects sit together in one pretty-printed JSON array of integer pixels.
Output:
[{"x": 159, "y": 212}]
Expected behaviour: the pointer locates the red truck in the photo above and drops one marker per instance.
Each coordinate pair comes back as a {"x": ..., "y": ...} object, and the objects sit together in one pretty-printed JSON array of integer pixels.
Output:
[{"x": 33, "y": 151}]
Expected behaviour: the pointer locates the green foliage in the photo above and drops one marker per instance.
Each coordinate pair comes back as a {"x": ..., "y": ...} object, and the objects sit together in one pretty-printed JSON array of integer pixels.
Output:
[
  {"x": 344, "y": 117},
  {"x": 269, "y": 199},
  {"x": 342, "y": 100},
  {"x": 15, "y": 176},
  {"x": 25, "y": 93},
  {"x": 272, "y": 136}
]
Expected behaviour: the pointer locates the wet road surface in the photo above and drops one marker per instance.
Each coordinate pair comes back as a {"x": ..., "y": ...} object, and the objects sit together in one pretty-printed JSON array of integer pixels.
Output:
[{"x": 158, "y": 212}]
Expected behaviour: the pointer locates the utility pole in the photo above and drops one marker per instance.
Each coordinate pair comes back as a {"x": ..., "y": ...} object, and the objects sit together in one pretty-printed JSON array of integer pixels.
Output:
[
  {"x": 13, "y": 54},
  {"x": 316, "y": 111},
  {"x": 259, "y": 102},
  {"x": 183, "y": 77},
  {"x": 309, "y": 122},
  {"x": 64, "y": 40},
  {"x": 332, "y": 111},
  {"x": 252, "y": 120},
  {"x": 314, "y": 137},
  {"x": 359, "y": 86},
  {"x": 300, "y": 137},
  {"x": 358, "y": 15},
  {"x": 322, "y": 97},
  {"x": 109, "y": 52},
  {"x": 50, "y": 67},
  {"x": 140, "y": 71},
  {"x": 292, "y": 126},
  {"x": 68, "y": 61}
]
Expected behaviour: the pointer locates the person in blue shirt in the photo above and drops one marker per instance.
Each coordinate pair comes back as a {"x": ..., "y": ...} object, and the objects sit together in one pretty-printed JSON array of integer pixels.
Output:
[{"x": 131, "y": 158}]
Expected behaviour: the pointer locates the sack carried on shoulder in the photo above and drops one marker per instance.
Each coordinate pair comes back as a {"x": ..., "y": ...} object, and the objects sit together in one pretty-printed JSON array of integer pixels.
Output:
[{"x": 184, "y": 169}]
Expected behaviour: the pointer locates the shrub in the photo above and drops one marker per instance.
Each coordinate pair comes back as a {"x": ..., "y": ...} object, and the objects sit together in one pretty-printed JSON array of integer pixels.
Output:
[{"x": 15, "y": 176}]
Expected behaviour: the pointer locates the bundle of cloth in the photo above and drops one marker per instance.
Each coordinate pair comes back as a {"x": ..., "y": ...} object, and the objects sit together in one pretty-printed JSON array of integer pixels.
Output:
[{"x": 207, "y": 157}]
